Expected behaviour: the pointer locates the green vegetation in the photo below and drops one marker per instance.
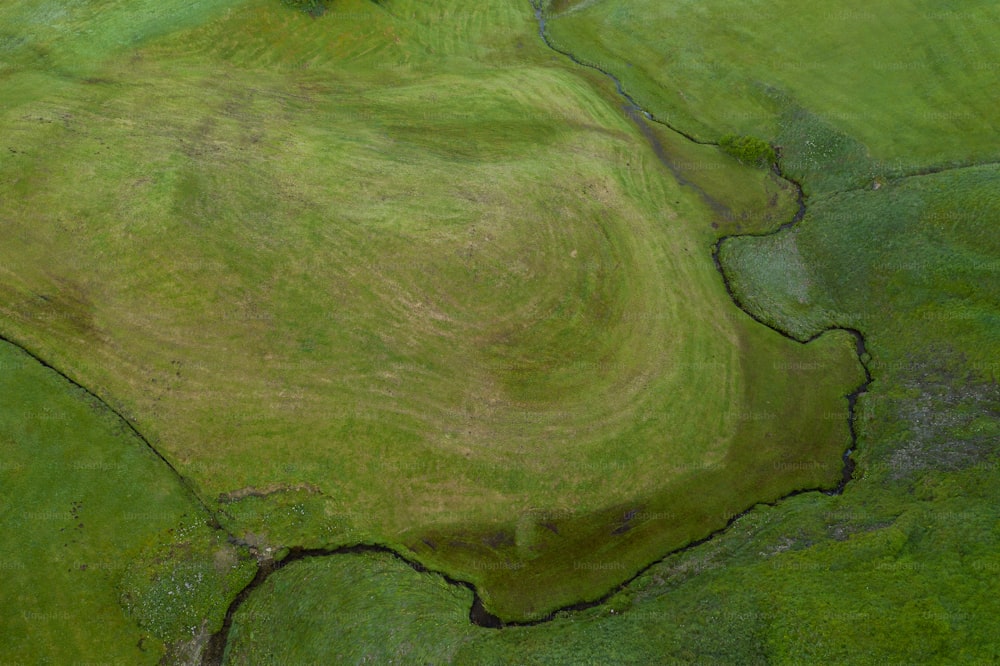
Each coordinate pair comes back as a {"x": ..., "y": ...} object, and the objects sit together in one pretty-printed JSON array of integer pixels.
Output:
[
  {"x": 851, "y": 93},
  {"x": 397, "y": 273},
  {"x": 366, "y": 594},
  {"x": 403, "y": 277},
  {"x": 86, "y": 506},
  {"x": 314, "y": 8},
  {"x": 749, "y": 150},
  {"x": 872, "y": 576},
  {"x": 902, "y": 567},
  {"x": 928, "y": 287}
]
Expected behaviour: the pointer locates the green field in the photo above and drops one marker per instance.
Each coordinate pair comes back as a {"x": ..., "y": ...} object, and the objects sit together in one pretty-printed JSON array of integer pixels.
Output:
[
  {"x": 414, "y": 285},
  {"x": 852, "y": 93},
  {"x": 400, "y": 273},
  {"x": 106, "y": 553}
]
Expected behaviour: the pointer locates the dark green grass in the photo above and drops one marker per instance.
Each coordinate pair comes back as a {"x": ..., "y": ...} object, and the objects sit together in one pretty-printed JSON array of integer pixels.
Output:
[
  {"x": 914, "y": 264},
  {"x": 366, "y": 594},
  {"x": 873, "y": 576},
  {"x": 105, "y": 553}
]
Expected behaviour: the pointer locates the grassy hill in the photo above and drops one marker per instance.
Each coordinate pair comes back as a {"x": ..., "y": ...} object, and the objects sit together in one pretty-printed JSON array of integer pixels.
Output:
[
  {"x": 398, "y": 273},
  {"x": 901, "y": 567},
  {"x": 401, "y": 275}
]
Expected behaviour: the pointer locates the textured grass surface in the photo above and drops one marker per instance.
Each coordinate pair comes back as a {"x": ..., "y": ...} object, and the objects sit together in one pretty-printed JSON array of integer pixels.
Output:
[
  {"x": 902, "y": 567},
  {"x": 401, "y": 274},
  {"x": 106, "y": 554},
  {"x": 869, "y": 577},
  {"x": 366, "y": 595},
  {"x": 914, "y": 264},
  {"x": 227, "y": 156},
  {"x": 852, "y": 92}
]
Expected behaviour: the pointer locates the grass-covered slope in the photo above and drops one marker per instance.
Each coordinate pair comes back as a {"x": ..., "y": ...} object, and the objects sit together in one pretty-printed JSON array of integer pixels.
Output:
[
  {"x": 106, "y": 554},
  {"x": 222, "y": 217},
  {"x": 902, "y": 567},
  {"x": 910, "y": 262},
  {"x": 851, "y": 92},
  {"x": 400, "y": 274}
]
